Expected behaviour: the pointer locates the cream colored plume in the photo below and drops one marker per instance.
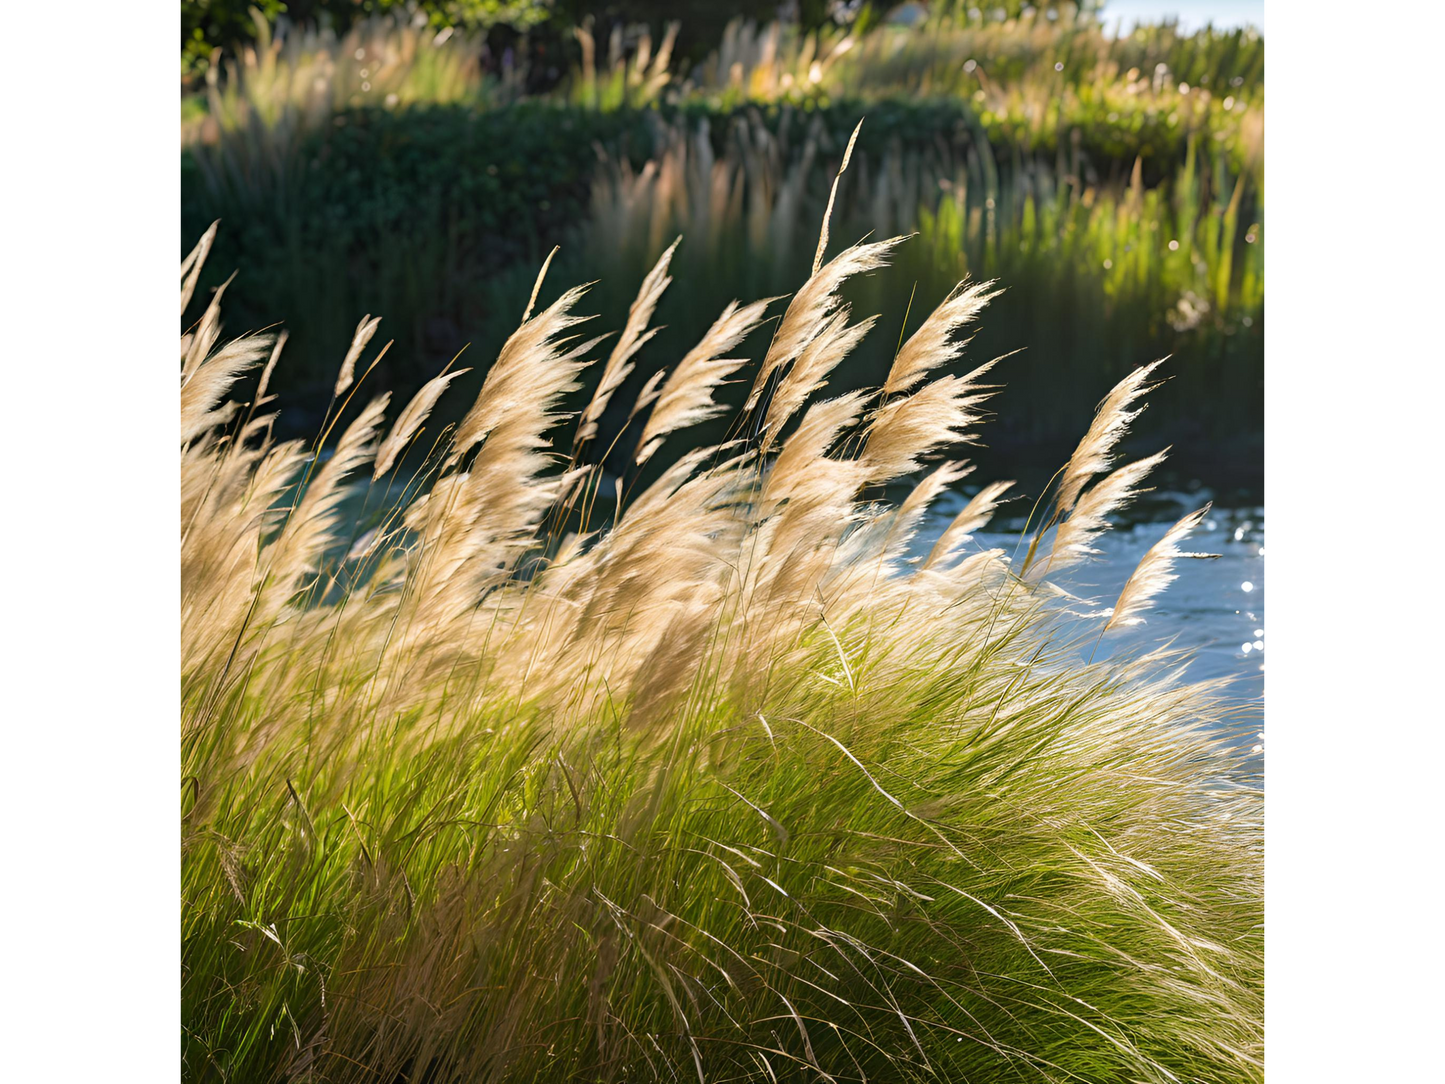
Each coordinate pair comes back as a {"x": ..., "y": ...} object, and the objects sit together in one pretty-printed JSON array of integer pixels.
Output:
[
  {"x": 662, "y": 489},
  {"x": 832, "y": 197},
  {"x": 635, "y": 335},
  {"x": 1094, "y": 455},
  {"x": 809, "y": 373},
  {"x": 364, "y": 331},
  {"x": 410, "y": 420},
  {"x": 974, "y": 517},
  {"x": 905, "y": 432},
  {"x": 211, "y": 379},
  {"x": 537, "y": 285},
  {"x": 808, "y": 313},
  {"x": 222, "y": 533},
  {"x": 197, "y": 345},
  {"x": 932, "y": 345},
  {"x": 910, "y": 513},
  {"x": 676, "y": 525},
  {"x": 192, "y": 264},
  {"x": 265, "y": 380},
  {"x": 307, "y": 533},
  {"x": 532, "y": 367},
  {"x": 480, "y": 522},
  {"x": 796, "y": 467},
  {"x": 806, "y": 505},
  {"x": 1074, "y": 538},
  {"x": 649, "y": 393},
  {"x": 1155, "y": 572},
  {"x": 686, "y": 395}
]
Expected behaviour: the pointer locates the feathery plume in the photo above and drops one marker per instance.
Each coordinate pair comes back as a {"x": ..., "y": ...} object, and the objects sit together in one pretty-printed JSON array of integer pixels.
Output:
[
  {"x": 1072, "y": 541},
  {"x": 906, "y": 431},
  {"x": 537, "y": 285},
  {"x": 212, "y": 379},
  {"x": 308, "y": 530},
  {"x": 364, "y": 331},
  {"x": 833, "y": 195},
  {"x": 533, "y": 367},
  {"x": 619, "y": 363},
  {"x": 649, "y": 393},
  {"x": 1155, "y": 572},
  {"x": 193, "y": 264},
  {"x": 222, "y": 534},
  {"x": 1112, "y": 419},
  {"x": 932, "y": 345},
  {"x": 807, "y": 314},
  {"x": 686, "y": 396},
  {"x": 265, "y": 380},
  {"x": 487, "y": 516},
  {"x": 410, "y": 420},
  {"x": 797, "y": 466},
  {"x": 974, "y": 517},
  {"x": 910, "y": 513},
  {"x": 809, "y": 373},
  {"x": 197, "y": 345}
]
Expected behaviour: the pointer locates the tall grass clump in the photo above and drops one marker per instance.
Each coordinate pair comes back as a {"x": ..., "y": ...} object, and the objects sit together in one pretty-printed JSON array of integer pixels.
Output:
[{"x": 715, "y": 771}]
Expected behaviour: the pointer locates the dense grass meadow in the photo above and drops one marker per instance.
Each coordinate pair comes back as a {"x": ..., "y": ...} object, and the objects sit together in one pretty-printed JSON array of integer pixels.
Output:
[
  {"x": 1114, "y": 185},
  {"x": 504, "y": 774},
  {"x": 598, "y": 701}
]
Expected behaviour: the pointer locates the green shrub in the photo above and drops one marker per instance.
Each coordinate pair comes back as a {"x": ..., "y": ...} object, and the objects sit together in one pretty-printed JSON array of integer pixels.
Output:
[{"x": 406, "y": 213}]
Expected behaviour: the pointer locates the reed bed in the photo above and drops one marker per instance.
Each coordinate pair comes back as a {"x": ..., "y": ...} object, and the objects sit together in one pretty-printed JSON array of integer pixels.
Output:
[
  {"x": 495, "y": 769},
  {"x": 247, "y": 129},
  {"x": 391, "y": 171},
  {"x": 1030, "y": 77},
  {"x": 974, "y": 213},
  {"x": 1101, "y": 271},
  {"x": 295, "y": 75}
]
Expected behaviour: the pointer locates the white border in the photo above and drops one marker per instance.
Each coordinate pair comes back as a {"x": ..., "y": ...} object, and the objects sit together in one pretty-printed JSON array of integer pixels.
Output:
[
  {"x": 91, "y": 880},
  {"x": 1353, "y": 421}
]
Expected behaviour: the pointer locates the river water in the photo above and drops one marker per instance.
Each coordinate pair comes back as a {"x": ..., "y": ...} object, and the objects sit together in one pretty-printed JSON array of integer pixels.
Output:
[{"x": 1214, "y": 610}]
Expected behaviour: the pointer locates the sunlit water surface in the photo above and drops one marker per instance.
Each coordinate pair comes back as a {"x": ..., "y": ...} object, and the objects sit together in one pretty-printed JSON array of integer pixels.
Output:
[{"x": 1214, "y": 611}]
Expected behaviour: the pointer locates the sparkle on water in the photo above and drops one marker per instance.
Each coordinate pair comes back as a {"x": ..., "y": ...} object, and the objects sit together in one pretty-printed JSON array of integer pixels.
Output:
[{"x": 1215, "y": 609}]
